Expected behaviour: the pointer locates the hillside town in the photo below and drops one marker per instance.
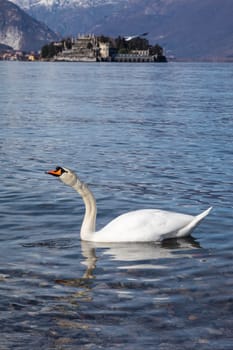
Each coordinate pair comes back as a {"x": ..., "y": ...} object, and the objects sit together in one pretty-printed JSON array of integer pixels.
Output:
[{"x": 18, "y": 55}]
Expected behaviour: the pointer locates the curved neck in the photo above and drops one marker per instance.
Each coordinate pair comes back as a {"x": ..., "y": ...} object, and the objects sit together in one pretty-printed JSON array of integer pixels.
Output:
[{"x": 89, "y": 220}]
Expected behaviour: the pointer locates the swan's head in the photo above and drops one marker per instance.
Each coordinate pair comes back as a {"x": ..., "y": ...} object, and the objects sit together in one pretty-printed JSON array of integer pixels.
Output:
[{"x": 65, "y": 175}]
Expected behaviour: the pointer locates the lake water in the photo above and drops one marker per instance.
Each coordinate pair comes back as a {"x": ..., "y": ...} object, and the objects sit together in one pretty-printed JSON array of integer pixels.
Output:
[{"x": 141, "y": 136}]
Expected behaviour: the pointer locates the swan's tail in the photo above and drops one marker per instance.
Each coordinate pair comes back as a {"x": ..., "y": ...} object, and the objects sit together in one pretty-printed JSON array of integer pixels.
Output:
[{"x": 185, "y": 231}]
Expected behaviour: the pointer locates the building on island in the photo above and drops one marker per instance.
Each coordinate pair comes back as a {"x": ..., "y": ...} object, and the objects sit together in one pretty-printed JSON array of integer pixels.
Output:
[
  {"x": 84, "y": 48},
  {"x": 89, "y": 48}
]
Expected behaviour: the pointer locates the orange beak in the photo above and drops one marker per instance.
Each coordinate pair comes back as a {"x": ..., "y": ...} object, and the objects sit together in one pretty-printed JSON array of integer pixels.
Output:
[{"x": 56, "y": 172}]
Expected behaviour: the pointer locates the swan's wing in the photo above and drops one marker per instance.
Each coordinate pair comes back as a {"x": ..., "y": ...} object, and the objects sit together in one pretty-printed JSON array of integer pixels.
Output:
[{"x": 143, "y": 225}]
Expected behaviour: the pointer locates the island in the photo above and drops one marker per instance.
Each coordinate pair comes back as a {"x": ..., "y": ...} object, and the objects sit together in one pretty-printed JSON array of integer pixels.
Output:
[{"x": 92, "y": 48}]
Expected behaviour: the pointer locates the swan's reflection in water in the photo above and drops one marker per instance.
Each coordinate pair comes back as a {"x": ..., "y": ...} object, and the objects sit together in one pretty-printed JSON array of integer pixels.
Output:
[
  {"x": 121, "y": 284},
  {"x": 137, "y": 255}
]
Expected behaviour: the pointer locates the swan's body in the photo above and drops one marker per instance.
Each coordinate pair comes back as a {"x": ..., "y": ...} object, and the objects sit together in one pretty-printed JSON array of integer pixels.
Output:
[{"x": 145, "y": 225}]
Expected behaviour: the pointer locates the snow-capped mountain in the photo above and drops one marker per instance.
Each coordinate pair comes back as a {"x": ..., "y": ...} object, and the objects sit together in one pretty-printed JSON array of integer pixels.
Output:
[
  {"x": 28, "y": 4},
  {"x": 21, "y": 32},
  {"x": 192, "y": 29}
]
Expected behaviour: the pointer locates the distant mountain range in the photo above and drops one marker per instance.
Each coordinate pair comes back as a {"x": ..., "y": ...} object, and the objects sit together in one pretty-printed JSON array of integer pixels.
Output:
[
  {"x": 186, "y": 29},
  {"x": 20, "y": 31},
  {"x": 27, "y": 4}
]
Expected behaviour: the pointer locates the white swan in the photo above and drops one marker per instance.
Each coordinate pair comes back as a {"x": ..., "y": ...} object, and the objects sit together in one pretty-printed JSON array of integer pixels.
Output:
[{"x": 144, "y": 225}]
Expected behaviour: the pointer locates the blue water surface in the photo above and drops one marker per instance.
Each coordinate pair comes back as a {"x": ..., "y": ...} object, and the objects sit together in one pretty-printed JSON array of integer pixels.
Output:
[{"x": 142, "y": 136}]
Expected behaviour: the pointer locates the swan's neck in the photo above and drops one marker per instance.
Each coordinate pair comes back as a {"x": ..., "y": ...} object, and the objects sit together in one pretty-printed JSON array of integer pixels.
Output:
[{"x": 88, "y": 224}]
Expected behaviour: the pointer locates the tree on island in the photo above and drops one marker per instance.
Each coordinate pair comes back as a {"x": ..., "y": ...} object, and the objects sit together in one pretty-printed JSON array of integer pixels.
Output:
[
  {"x": 156, "y": 50},
  {"x": 49, "y": 51},
  {"x": 52, "y": 49}
]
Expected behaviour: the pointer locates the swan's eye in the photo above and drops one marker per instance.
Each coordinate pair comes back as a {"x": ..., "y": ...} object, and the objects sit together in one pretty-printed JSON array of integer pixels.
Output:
[{"x": 59, "y": 168}]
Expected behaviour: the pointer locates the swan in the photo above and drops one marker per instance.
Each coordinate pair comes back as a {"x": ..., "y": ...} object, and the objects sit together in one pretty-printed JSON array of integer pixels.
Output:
[{"x": 145, "y": 225}]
